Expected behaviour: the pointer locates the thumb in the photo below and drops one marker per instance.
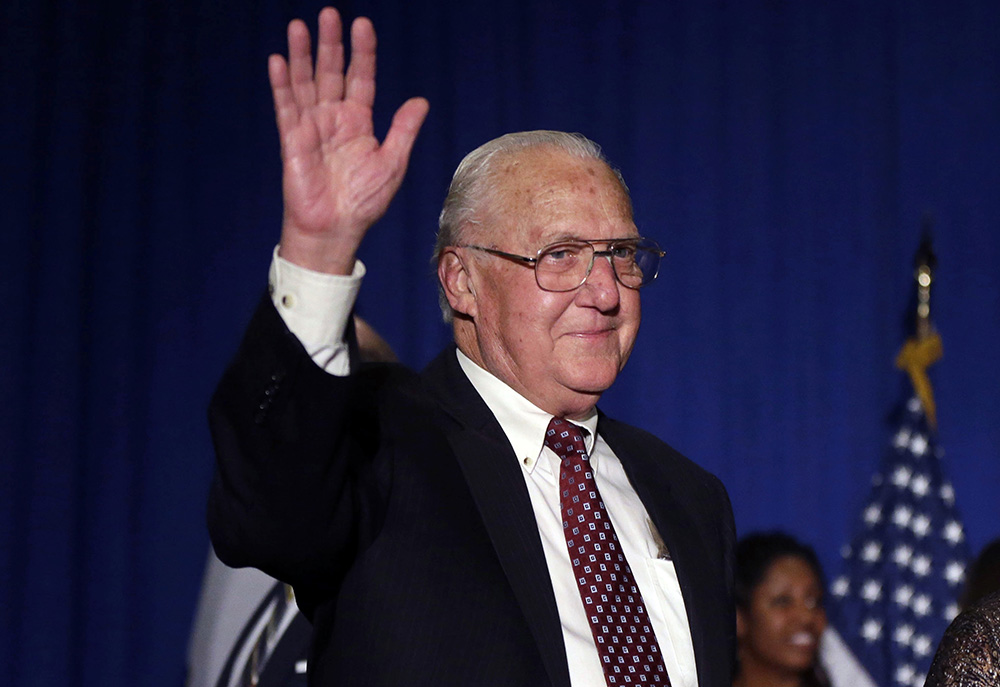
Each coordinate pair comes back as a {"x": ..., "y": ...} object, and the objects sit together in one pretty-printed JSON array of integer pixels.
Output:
[{"x": 403, "y": 131}]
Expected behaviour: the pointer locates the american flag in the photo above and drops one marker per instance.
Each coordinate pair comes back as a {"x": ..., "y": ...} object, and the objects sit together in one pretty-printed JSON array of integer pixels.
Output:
[{"x": 905, "y": 567}]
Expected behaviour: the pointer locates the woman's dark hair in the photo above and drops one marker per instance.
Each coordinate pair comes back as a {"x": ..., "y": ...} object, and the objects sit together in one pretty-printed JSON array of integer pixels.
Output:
[
  {"x": 984, "y": 575},
  {"x": 756, "y": 552}
]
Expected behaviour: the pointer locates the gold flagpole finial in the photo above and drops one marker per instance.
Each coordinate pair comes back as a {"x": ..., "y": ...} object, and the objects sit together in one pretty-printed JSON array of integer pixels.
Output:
[{"x": 925, "y": 348}]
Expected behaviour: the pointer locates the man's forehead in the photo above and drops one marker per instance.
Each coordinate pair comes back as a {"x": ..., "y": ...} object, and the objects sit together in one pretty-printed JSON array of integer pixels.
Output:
[
  {"x": 541, "y": 163},
  {"x": 545, "y": 194},
  {"x": 548, "y": 178}
]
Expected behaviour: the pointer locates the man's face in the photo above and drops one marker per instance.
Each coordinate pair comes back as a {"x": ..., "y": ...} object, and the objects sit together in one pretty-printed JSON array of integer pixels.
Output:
[{"x": 559, "y": 350}]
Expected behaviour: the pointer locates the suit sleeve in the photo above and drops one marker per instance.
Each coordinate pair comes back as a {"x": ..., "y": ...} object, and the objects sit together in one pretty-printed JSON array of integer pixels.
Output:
[
  {"x": 296, "y": 487},
  {"x": 727, "y": 537}
]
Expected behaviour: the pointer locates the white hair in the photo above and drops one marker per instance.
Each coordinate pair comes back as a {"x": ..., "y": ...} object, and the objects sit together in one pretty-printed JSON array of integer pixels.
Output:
[{"x": 473, "y": 184}]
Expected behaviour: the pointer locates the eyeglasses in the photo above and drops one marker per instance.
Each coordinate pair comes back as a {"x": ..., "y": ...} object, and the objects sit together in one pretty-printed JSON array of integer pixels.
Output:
[{"x": 565, "y": 266}]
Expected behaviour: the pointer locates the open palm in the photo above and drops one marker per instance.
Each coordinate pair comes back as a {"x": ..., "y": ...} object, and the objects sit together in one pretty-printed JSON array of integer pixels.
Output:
[{"x": 337, "y": 179}]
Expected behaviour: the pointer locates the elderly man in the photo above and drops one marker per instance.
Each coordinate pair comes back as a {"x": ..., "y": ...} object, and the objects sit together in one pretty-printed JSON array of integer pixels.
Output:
[{"x": 479, "y": 523}]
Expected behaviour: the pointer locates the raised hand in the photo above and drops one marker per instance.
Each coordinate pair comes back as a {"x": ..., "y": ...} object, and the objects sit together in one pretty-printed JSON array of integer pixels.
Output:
[{"x": 337, "y": 179}]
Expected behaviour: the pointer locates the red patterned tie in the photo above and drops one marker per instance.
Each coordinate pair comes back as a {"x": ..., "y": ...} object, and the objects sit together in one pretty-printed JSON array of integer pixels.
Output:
[{"x": 618, "y": 619}]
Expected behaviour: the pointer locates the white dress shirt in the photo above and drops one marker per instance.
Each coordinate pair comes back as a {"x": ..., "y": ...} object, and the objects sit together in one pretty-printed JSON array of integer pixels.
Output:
[{"x": 315, "y": 307}]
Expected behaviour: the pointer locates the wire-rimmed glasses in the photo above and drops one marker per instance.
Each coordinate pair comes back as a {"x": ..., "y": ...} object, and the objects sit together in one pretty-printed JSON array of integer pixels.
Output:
[{"x": 565, "y": 265}]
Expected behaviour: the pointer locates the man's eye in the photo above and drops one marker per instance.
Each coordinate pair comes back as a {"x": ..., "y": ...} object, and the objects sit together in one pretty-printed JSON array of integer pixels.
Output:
[
  {"x": 562, "y": 253},
  {"x": 623, "y": 252}
]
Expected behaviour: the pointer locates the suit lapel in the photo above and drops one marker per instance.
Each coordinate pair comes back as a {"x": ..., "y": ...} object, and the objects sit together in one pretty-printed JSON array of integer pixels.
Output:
[
  {"x": 663, "y": 499},
  {"x": 497, "y": 486}
]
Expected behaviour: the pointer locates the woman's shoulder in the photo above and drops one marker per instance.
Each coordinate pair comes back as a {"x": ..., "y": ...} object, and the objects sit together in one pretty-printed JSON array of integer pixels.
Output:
[{"x": 969, "y": 653}]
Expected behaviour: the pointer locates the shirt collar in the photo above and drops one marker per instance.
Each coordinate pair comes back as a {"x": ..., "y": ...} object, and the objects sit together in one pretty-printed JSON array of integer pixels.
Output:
[{"x": 523, "y": 422}]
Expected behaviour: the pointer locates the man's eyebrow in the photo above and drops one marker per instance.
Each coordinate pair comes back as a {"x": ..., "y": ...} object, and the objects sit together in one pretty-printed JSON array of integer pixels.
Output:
[
  {"x": 559, "y": 238},
  {"x": 580, "y": 239}
]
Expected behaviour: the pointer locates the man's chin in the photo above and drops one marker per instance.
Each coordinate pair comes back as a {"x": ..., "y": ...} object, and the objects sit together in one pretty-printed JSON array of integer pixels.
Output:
[{"x": 593, "y": 383}]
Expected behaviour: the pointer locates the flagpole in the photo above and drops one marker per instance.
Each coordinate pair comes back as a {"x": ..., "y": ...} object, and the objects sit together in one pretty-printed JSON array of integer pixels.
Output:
[
  {"x": 924, "y": 349},
  {"x": 924, "y": 264}
]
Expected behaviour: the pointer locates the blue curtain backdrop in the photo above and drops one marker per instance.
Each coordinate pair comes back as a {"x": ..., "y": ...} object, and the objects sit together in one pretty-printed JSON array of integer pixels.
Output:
[{"x": 784, "y": 153}]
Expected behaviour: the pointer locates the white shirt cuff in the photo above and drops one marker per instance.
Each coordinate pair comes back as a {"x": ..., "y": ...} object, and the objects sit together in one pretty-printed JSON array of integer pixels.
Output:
[{"x": 315, "y": 307}]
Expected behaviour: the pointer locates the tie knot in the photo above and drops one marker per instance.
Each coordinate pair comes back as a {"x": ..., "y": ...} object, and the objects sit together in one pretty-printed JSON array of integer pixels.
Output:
[{"x": 564, "y": 438}]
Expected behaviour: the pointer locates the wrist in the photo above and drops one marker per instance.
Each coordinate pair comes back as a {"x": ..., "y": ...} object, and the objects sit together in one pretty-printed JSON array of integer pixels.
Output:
[{"x": 331, "y": 255}]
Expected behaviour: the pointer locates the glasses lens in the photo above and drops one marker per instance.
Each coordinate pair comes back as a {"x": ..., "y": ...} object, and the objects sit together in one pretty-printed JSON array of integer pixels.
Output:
[
  {"x": 636, "y": 262},
  {"x": 647, "y": 261},
  {"x": 625, "y": 256},
  {"x": 563, "y": 266}
]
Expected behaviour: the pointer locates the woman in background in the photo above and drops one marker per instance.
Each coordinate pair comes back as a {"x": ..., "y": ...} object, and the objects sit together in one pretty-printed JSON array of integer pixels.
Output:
[
  {"x": 779, "y": 613},
  {"x": 969, "y": 653}
]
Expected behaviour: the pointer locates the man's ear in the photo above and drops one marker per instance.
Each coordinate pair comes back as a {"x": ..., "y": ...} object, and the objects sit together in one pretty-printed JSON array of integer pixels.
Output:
[
  {"x": 457, "y": 283},
  {"x": 741, "y": 624}
]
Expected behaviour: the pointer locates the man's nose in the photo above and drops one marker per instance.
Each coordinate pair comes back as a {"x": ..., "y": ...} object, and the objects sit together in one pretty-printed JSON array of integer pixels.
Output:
[{"x": 602, "y": 283}]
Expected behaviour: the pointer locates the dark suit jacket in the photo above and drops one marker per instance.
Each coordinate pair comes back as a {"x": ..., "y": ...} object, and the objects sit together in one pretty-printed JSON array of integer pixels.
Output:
[{"x": 395, "y": 505}]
